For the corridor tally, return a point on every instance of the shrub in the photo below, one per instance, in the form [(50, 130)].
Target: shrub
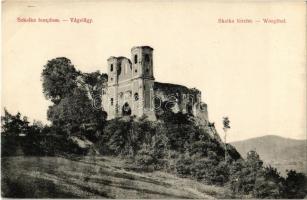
[(244, 173), (268, 184), (183, 166), (210, 171), (145, 159), (295, 186)]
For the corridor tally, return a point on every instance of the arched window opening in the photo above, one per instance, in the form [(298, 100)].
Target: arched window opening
[(136, 96), (135, 59), (126, 110)]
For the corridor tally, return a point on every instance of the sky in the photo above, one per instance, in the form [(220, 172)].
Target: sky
[(253, 73)]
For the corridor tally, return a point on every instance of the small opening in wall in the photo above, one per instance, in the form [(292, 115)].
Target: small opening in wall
[(119, 68), (135, 59), (136, 71), (111, 101), (111, 68), (136, 96)]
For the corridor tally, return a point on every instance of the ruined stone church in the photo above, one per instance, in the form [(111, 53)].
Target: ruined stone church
[(132, 90)]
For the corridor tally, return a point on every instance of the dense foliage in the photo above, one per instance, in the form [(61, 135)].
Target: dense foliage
[(175, 143), (59, 79), (19, 137), (76, 108)]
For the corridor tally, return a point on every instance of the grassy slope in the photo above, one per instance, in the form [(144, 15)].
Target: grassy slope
[(93, 177)]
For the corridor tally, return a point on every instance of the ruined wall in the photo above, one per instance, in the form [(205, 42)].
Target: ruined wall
[(184, 99), (131, 86)]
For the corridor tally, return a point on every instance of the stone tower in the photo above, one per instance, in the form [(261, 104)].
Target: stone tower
[(142, 64), (130, 85)]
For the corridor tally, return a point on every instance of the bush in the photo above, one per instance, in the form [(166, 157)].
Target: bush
[(145, 159), (210, 171), (183, 166), (295, 186), (152, 156), (268, 184), (249, 177), (244, 173), (125, 136)]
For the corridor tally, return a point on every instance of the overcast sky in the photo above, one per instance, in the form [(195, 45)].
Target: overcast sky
[(253, 73)]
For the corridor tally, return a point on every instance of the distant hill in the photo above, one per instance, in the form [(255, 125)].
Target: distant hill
[(282, 153)]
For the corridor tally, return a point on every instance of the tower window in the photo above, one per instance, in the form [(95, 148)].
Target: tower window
[(136, 96), (136, 71), (111, 68), (147, 59), (147, 70), (119, 68), (135, 59), (111, 101)]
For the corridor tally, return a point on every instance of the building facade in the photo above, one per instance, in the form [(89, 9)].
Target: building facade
[(131, 89)]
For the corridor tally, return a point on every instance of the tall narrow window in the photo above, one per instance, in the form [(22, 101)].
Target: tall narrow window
[(111, 68), (135, 59), (111, 101), (147, 59), (119, 68)]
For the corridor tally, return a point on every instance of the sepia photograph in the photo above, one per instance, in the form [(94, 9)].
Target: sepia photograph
[(153, 99)]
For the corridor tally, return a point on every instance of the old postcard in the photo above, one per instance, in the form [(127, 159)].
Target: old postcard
[(153, 99)]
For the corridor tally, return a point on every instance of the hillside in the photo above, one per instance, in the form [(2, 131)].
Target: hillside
[(282, 153), (94, 177)]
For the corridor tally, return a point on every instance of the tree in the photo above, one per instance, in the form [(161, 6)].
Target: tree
[(295, 185), (93, 83), (243, 174), (14, 124), (268, 184), (74, 94), (253, 161), (75, 115), (59, 79), (226, 127)]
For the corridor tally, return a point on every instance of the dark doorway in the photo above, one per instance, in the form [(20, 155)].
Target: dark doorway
[(189, 108), (126, 110)]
